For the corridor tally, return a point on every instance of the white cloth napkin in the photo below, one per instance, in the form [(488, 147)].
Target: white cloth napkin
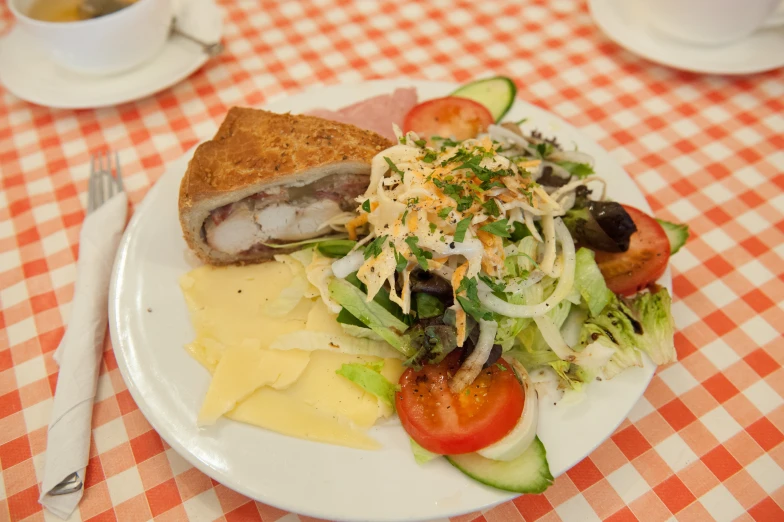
[(79, 355)]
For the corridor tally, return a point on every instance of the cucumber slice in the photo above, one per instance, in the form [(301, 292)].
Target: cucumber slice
[(528, 473), (677, 234), (497, 94)]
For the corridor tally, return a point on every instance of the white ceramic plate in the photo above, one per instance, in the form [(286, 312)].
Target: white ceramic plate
[(28, 73), (625, 22), (308, 477)]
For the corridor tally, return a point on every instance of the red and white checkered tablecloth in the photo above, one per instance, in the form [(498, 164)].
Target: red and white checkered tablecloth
[(704, 443)]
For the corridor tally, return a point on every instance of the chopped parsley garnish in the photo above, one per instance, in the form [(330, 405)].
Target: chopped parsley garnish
[(421, 255), (470, 301), (500, 366), (497, 228), (445, 142), (461, 228), (429, 157), (375, 246), (487, 185), (483, 173), (405, 214), (444, 212), (519, 231), (366, 206), (455, 191), (493, 284), (521, 121), (491, 207), (464, 203), (400, 261), (420, 143), (393, 167), (402, 140), (432, 227)]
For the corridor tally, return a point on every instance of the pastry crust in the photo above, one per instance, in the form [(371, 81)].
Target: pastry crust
[(255, 151)]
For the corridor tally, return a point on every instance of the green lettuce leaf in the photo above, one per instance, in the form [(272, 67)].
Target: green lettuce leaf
[(653, 310), (589, 282), (421, 455), (369, 378)]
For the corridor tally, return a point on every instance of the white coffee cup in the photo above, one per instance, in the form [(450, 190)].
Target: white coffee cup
[(105, 45), (712, 22)]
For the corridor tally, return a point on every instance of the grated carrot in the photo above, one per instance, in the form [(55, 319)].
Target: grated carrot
[(460, 325), (531, 163), (351, 226), (413, 221)]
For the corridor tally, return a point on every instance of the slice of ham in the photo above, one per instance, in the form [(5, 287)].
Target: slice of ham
[(377, 113)]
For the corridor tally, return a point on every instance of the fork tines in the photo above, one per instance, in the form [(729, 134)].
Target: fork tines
[(103, 185)]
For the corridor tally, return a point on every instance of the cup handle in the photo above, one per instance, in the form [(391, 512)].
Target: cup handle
[(776, 18)]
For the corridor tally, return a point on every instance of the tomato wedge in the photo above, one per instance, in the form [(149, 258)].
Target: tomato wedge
[(449, 117), (629, 272), (450, 424)]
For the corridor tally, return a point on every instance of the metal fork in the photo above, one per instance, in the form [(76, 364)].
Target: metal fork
[(103, 185)]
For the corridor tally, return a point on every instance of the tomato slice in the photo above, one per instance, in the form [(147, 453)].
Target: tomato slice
[(629, 272), (449, 117), (448, 423)]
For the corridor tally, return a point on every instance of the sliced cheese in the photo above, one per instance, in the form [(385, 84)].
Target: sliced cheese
[(335, 395), (207, 352), (320, 319), (227, 304), (242, 370), (233, 334), (278, 411)]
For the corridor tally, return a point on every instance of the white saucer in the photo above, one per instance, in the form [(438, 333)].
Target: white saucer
[(624, 22), (28, 73)]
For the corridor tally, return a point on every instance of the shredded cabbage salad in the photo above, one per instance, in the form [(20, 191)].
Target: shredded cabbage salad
[(488, 218)]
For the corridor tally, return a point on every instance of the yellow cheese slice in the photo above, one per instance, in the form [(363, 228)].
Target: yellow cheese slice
[(207, 352), (242, 370), (227, 303), (320, 387), (277, 411), (320, 319), (233, 333)]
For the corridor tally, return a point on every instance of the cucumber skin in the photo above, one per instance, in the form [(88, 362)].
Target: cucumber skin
[(469, 91), (677, 234), (533, 485)]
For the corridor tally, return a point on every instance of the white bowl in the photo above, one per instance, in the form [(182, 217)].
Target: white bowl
[(105, 45)]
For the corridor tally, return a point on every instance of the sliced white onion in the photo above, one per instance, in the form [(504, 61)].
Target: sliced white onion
[(571, 186), (562, 288), (567, 202), (496, 131), (552, 336), (518, 286), (572, 155), (529, 223), (517, 441), (473, 365), (348, 264), (548, 227)]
